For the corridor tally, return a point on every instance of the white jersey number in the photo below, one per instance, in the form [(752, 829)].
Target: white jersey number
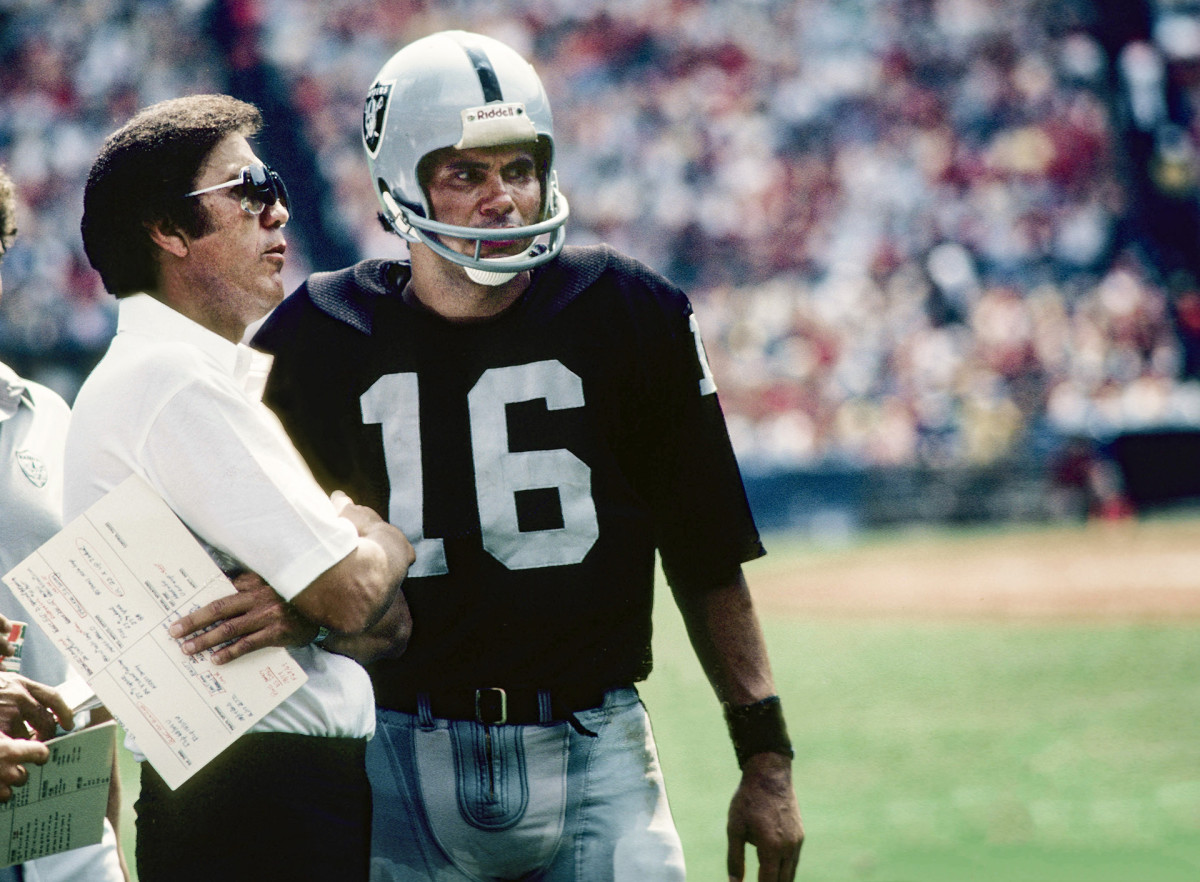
[(708, 383), (500, 473), (392, 403)]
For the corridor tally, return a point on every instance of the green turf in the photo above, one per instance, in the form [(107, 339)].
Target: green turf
[(959, 752), (952, 752)]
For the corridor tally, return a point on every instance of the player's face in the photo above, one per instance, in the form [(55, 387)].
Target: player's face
[(239, 260), (489, 187)]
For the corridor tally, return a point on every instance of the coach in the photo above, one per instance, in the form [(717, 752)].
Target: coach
[(185, 225)]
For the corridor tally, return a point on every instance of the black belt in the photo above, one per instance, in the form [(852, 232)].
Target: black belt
[(496, 706)]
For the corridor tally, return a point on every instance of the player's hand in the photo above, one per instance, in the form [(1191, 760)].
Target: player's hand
[(14, 752), (27, 705), (253, 617), (764, 814)]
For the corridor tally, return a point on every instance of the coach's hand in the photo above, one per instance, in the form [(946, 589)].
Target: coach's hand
[(31, 709), (14, 753), (254, 617), (764, 814)]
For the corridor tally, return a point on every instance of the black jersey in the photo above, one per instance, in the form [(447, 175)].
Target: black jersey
[(536, 461)]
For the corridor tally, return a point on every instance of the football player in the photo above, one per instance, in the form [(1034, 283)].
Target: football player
[(539, 420)]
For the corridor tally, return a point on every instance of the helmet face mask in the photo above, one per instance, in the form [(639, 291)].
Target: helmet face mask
[(460, 90)]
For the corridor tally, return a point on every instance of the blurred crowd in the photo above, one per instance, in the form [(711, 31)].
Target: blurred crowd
[(938, 232)]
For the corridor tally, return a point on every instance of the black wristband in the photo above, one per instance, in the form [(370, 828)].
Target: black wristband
[(758, 728)]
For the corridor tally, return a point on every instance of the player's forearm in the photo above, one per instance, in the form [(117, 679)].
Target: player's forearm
[(728, 641)]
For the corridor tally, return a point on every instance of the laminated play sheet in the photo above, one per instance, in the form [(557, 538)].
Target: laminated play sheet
[(62, 804)]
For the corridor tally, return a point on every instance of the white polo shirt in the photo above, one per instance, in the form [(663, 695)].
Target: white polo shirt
[(180, 406), (33, 427)]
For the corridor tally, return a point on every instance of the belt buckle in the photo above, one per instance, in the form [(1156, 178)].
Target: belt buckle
[(491, 706)]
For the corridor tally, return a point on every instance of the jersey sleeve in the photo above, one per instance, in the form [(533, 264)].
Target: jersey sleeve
[(705, 526), (312, 389)]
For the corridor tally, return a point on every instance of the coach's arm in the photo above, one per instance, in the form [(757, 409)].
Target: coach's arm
[(346, 597), (729, 644), (256, 617)]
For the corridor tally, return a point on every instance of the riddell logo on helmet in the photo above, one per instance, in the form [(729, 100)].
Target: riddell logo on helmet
[(494, 111), (490, 124)]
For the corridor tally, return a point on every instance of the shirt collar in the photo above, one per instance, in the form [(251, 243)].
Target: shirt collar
[(147, 316), (13, 390)]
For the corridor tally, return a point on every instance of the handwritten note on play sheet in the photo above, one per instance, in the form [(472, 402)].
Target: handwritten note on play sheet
[(62, 805), (106, 588)]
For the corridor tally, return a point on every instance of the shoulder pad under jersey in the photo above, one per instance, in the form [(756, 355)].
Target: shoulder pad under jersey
[(349, 294)]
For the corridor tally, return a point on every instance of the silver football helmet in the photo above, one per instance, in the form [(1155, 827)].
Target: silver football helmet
[(464, 90)]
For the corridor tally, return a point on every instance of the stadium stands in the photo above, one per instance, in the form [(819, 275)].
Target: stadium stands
[(918, 233)]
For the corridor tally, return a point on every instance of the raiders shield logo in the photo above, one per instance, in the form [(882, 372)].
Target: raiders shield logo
[(375, 110), (33, 467)]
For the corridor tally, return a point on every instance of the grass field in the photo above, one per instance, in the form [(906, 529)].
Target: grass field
[(964, 747), (994, 707)]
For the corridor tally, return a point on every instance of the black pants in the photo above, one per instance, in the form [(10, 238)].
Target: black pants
[(273, 806)]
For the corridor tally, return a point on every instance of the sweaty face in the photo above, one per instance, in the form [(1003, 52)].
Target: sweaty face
[(239, 259), (488, 187)]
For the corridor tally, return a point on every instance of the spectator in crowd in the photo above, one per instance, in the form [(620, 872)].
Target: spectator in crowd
[(33, 429)]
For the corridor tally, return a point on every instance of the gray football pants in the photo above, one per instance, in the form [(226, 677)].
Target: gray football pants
[(460, 802)]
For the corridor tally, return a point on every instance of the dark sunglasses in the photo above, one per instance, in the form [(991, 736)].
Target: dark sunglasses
[(261, 186)]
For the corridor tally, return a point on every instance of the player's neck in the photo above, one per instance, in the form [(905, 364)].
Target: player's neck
[(445, 289)]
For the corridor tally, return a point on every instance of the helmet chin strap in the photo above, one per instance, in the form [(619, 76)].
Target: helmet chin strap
[(485, 277), (498, 276)]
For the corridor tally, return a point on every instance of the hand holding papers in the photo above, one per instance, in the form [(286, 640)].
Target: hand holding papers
[(78, 695), (62, 805), (107, 588)]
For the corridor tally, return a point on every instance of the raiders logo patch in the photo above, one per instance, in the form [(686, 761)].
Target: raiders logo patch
[(33, 467), (375, 110)]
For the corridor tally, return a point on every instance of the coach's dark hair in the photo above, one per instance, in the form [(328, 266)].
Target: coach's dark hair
[(8, 212), (140, 177)]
